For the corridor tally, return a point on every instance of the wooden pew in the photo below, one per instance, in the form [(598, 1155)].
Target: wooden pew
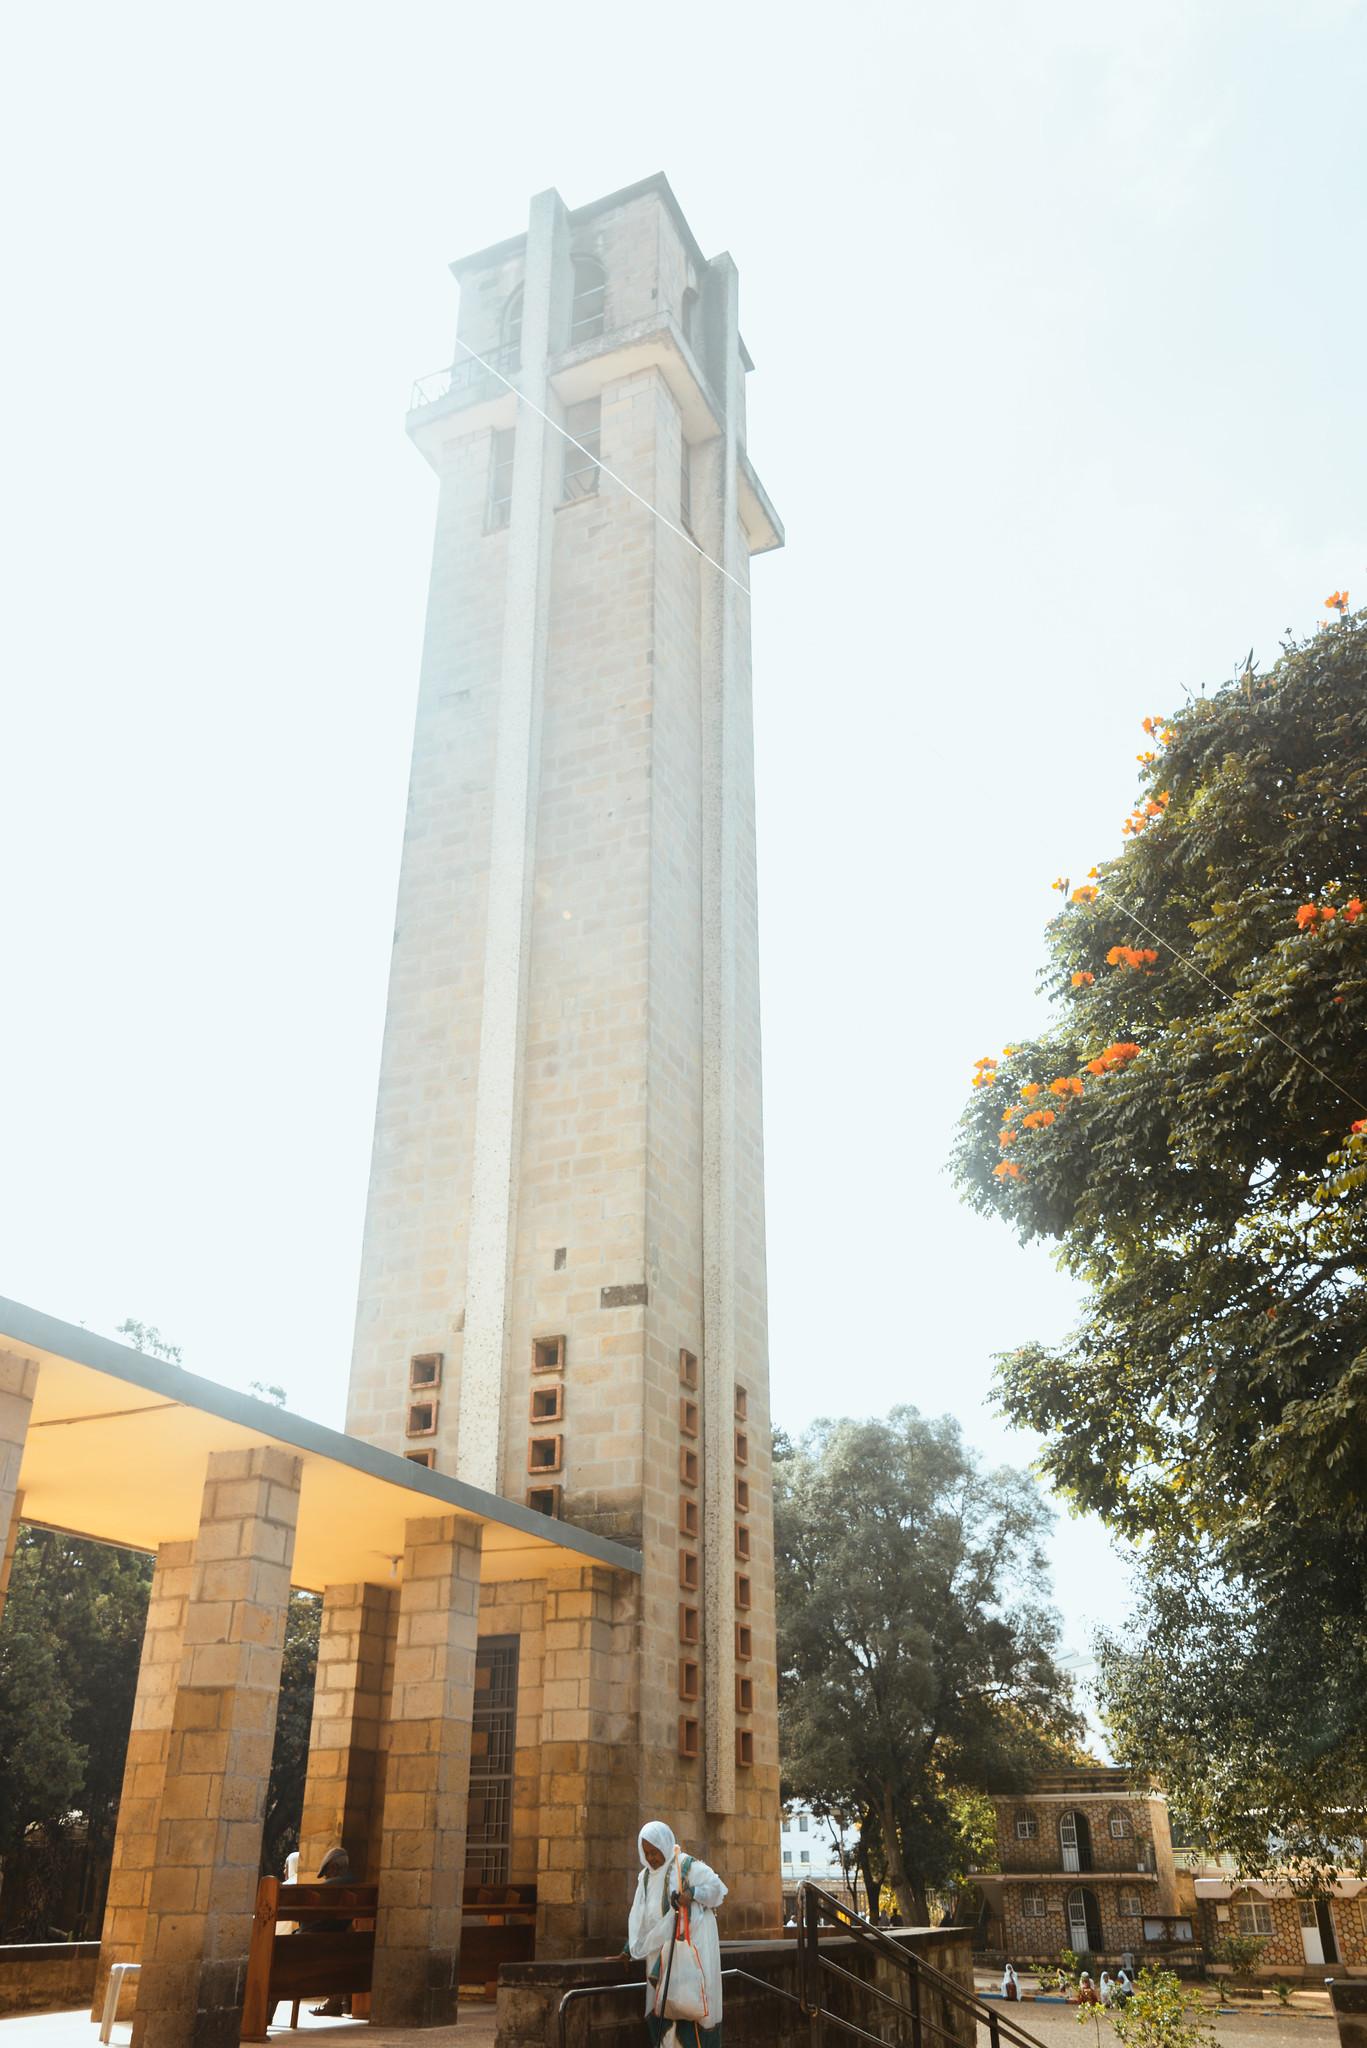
[(312, 1962), (497, 1926)]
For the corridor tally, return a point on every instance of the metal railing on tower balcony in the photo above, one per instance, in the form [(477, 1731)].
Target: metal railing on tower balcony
[(470, 378)]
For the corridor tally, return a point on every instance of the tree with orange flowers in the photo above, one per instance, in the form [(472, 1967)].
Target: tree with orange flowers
[(1204, 1177)]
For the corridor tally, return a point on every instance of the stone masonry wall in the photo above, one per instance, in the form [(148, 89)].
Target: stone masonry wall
[(1042, 1851), (1027, 1935)]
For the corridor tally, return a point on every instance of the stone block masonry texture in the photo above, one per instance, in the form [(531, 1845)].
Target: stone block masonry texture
[(124, 1934), (568, 1140), (218, 1755), (421, 1870), (344, 1792)]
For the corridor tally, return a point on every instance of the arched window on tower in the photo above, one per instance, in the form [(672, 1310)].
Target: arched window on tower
[(590, 287), (512, 327), (688, 317)]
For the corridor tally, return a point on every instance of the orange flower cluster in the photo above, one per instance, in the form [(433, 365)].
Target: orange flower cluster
[(1030, 1090), (1360, 1127), (1337, 601), (1038, 1119), (1067, 1084), (984, 1071), (1311, 914), (1082, 979), (1115, 1056), (1086, 894), (1143, 816), (1158, 729), (1132, 956), (1008, 1170)]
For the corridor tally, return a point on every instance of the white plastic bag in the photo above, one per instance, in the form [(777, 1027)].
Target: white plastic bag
[(681, 1968)]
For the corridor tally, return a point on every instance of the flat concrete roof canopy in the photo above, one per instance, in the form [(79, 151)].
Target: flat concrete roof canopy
[(116, 1450)]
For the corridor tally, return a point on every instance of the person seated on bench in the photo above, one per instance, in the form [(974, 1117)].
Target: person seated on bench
[(335, 1868)]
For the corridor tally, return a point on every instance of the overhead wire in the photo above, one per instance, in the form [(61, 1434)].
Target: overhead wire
[(1191, 964), (598, 463), (684, 535)]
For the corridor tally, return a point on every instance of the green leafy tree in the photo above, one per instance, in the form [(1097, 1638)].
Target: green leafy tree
[(1185, 1133), (1240, 1951), (145, 1337), (1161, 2013), (916, 1648), (289, 1760), (69, 1649)]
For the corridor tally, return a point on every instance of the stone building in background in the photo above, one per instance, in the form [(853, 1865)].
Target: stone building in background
[(1085, 1862), (562, 1294)]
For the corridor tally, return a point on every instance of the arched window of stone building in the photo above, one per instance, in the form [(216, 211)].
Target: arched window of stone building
[(1075, 1841), (590, 288), (1084, 1922), (512, 324)]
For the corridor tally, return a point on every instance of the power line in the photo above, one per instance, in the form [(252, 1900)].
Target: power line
[(684, 535), (597, 462), (1271, 1029)]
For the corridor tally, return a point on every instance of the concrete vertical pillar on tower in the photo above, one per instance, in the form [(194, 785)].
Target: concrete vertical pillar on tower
[(421, 1874), (18, 1385), (546, 298), (344, 1789), (203, 1889), (123, 1936), (589, 1809), (723, 638)]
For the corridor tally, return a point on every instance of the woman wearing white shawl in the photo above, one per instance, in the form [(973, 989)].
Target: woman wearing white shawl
[(663, 1866)]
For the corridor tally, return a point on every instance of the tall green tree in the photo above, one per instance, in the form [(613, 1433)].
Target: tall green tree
[(916, 1646), (1191, 1133), (290, 1758), (69, 1649)]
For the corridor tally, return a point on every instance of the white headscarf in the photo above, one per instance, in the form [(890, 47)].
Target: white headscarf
[(652, 1886)]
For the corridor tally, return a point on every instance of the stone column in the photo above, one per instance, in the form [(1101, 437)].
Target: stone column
[(218, 1759), (547, 287), (427, 1780), (18, 1385), (344, 1787), (590, 1763), (723, 640), (123, 1936)]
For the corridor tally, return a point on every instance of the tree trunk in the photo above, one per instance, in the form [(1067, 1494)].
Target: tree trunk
[(863, 1857), (897, 1876)]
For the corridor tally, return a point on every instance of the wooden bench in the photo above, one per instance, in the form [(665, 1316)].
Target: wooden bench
[(312, 1962), (497, 1926)]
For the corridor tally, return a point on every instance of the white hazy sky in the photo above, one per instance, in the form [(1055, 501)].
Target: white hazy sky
[(1058, 313)]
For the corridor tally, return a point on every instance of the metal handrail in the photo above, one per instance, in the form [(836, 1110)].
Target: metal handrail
[(638, 1984), (817, 1907), (464, 375)]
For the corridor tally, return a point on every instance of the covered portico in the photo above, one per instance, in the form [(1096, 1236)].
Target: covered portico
[(238, 1501)]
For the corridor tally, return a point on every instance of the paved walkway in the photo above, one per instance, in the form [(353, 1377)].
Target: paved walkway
[(78, 2030), (1271, 2027)]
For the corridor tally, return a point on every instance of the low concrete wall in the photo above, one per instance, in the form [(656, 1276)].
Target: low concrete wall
[(529, 1994), (47, 1976)]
